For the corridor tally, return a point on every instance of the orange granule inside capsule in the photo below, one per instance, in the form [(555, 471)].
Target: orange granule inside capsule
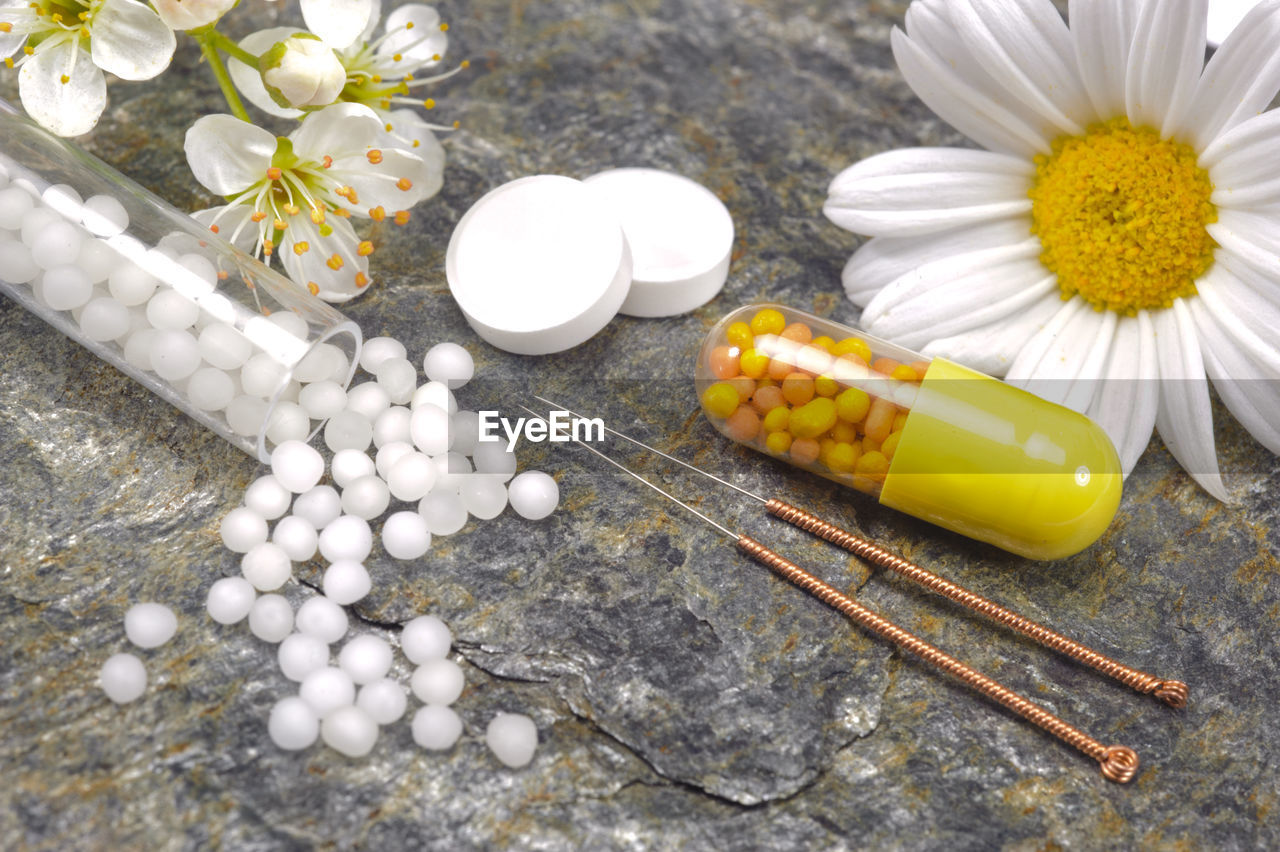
[(724, 362), (797, 401)]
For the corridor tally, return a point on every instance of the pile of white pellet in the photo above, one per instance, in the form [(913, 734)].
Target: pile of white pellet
[(395, 444)]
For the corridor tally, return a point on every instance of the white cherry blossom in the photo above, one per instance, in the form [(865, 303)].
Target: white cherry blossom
[(291, 197), (64, 46)]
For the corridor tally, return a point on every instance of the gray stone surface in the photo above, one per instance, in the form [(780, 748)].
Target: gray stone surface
[(684, 698)]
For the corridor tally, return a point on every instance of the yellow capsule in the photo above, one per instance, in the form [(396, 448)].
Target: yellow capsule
[(823, 341), (842, 457), (777, 419), (844, 432), (853, 346), (768, 321), (778, 442), (813, 418), (852, 405), (899, 421), (904, 373), (753, 363), (890, 445), (825, 386), (739, 335), (720, 400), (872, 464)]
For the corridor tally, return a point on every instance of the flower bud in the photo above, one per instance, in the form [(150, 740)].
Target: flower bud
[(302, 72), (191, 14)]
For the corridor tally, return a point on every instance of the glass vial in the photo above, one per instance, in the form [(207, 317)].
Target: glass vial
[(152, 292)]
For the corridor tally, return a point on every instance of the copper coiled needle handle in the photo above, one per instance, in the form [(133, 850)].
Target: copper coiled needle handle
[(1118, 763), (1171, 692)]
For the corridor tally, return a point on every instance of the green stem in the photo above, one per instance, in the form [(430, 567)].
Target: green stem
[(230, 48), (209, 47)]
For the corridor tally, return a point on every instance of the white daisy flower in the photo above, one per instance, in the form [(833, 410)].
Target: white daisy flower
[(382, 73), (1117, 239), (65, 47), (290, 197)]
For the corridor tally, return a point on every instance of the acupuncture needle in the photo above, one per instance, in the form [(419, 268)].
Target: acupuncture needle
[(1117, 763), (1171, 692)]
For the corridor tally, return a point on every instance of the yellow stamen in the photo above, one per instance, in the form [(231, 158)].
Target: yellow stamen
[(257, 215), (334, 262), (377, 214), (365, 248), (1121, 216), (268, 247), (213, 228), (317, 215), (65, 79), (429, 103), (280, 224), (466, 63), (444, 28), (6, 27), (273, 173), (314, 288), (362, 280), (404, 184), (402, 217), (373, 155), (300, 248)]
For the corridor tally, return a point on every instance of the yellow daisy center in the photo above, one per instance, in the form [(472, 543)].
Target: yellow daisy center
[(1121, 216)]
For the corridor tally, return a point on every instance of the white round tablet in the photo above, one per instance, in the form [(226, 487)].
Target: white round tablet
[(680, 235), (538, 265)]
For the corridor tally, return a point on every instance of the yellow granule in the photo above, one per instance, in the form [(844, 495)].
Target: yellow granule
[(1121, 216)]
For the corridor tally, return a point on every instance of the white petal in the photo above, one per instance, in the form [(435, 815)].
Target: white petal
[(311, 266), (992, 348), (181, 15), (379, 186), (70, 108), (420, 43), (1244, 152), (923, 190), (336, 131), (1164, 63), (410, 131), (962, 104), (1251, 320), (953, 295), (337, 22), (130, 41), (1024, 366), (1103, 32), (1251, 392), (1248, 239), (1068, 369), (1240, 80), (1184, 419), (1129, 394), (248, 80), (228, 155), (375, 14), (12, 40), (233, 225), (1259, 285), (883, 259), (1026, 47)]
